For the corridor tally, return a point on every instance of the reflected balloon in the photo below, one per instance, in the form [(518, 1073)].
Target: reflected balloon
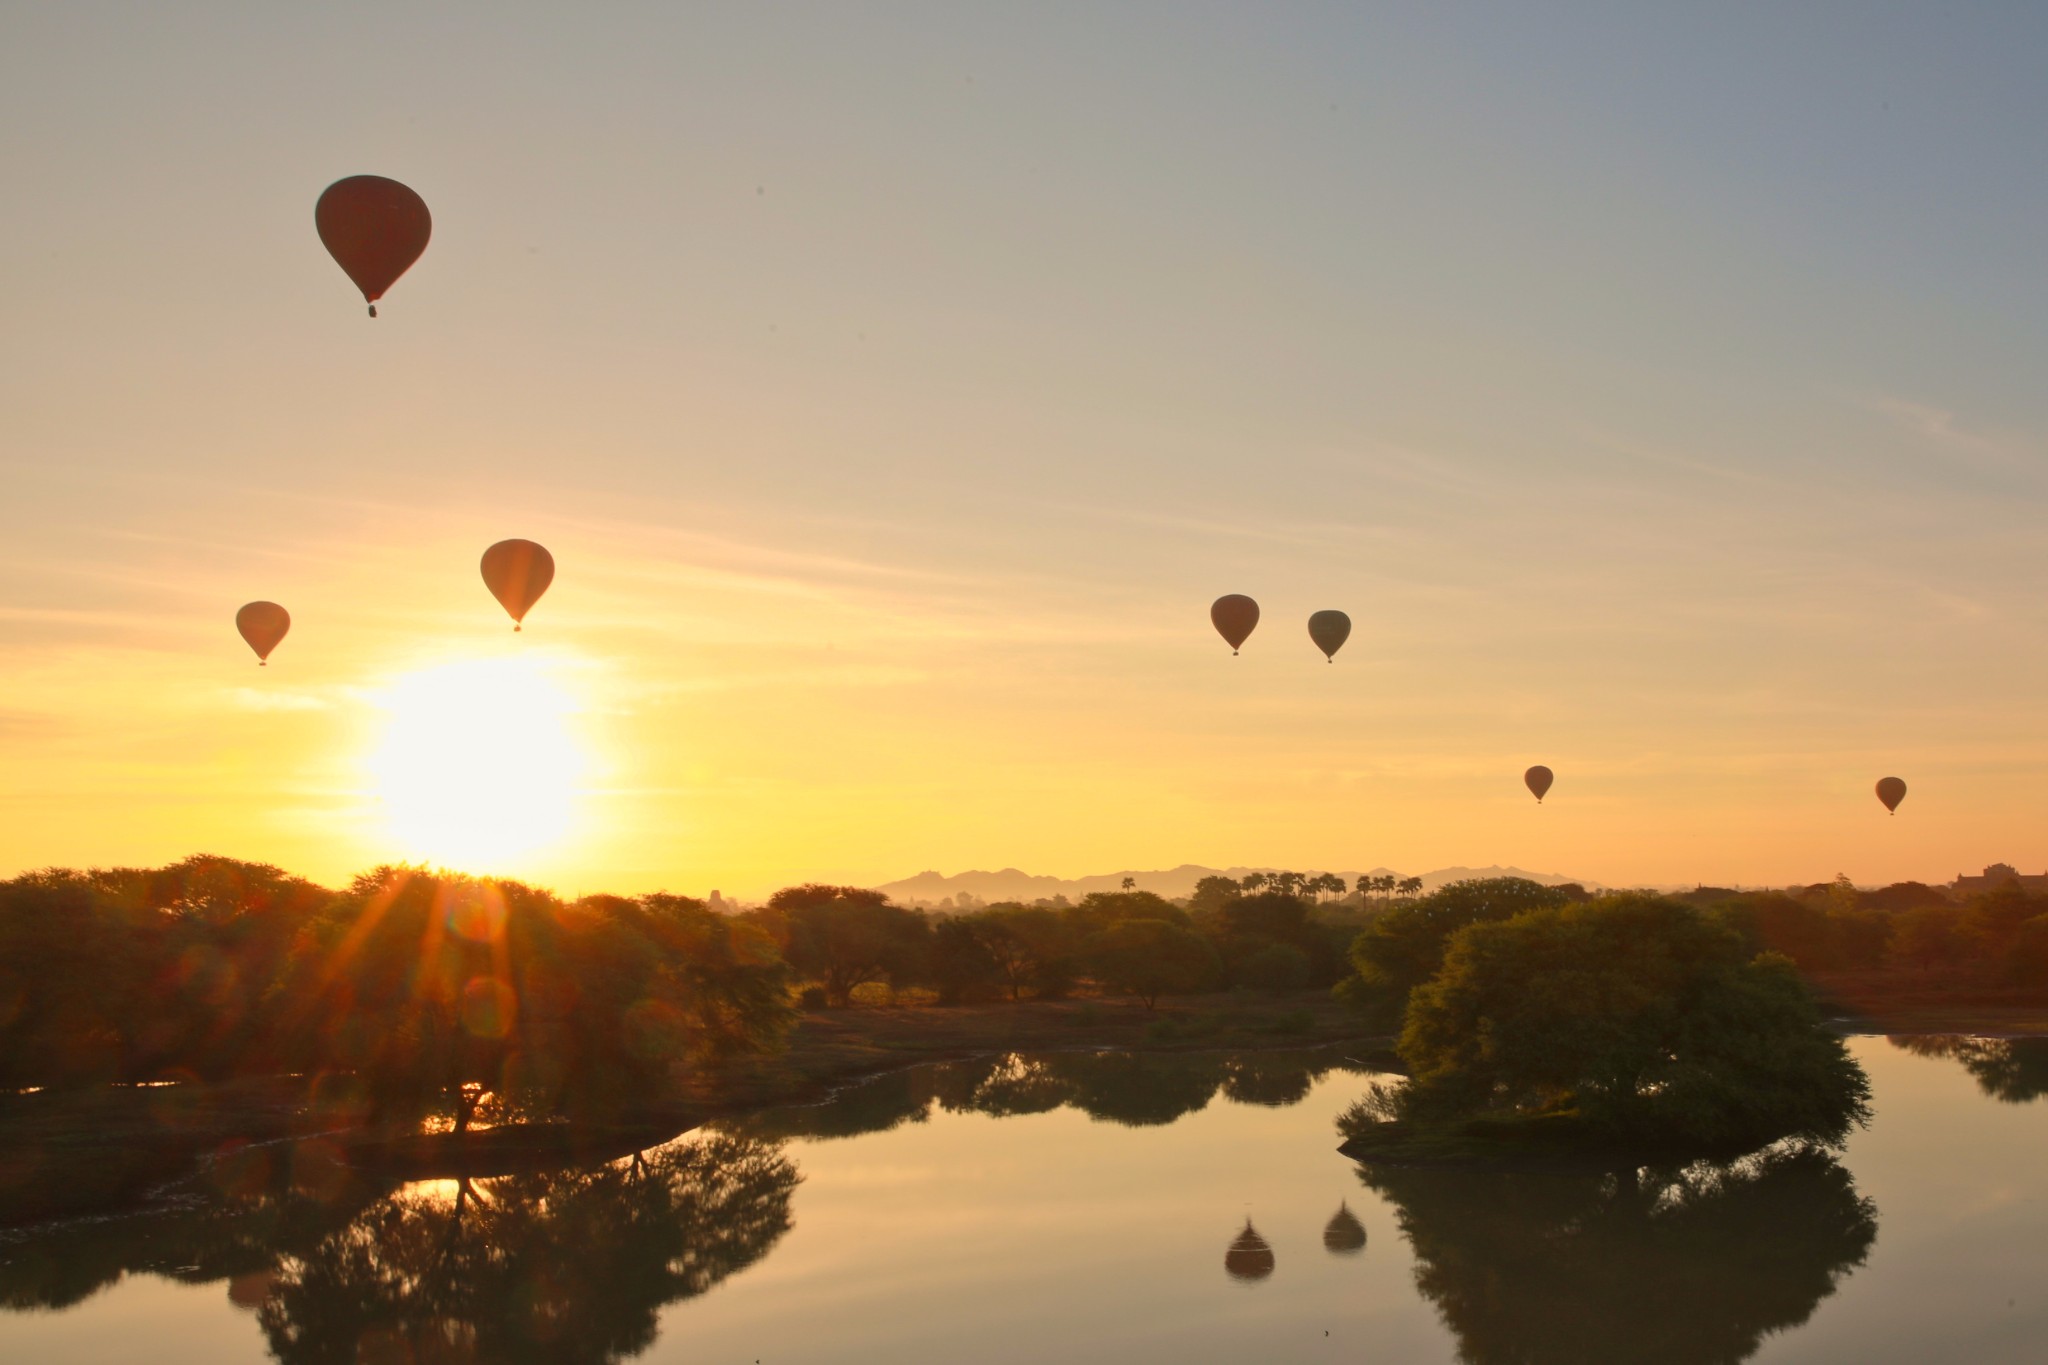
[(1234, 615), (1249, 1257), (374, 228), (1329, 629), (263, 625), (1539, 779), (1891, 791), (517, 572), (1344, 1235)]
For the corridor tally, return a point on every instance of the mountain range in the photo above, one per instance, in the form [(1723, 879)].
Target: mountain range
[(1011, 884)]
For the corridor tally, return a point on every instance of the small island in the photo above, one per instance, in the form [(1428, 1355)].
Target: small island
[(1617, 1032)]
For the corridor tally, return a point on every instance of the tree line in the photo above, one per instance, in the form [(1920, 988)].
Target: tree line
[(433, 992)]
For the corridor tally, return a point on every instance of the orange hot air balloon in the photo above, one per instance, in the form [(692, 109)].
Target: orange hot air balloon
[(517, 572), (1329, 629), (1539, 779), (374, 228), (1891, 791), (263, 624), (1234, 615)]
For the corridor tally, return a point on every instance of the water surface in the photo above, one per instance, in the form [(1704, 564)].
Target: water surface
[(1094, 1207)]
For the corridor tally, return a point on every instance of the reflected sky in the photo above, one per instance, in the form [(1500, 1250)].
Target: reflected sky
[(1094, 1207)]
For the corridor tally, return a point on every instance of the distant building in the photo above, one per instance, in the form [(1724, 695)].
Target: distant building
[(1995, 876)]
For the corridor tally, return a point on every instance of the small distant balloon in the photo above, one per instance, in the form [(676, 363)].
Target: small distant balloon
[(263, 624), (1329, 629), (517, 572), (1234, 615), (1891, 791), (1539, 779), (374, 228)]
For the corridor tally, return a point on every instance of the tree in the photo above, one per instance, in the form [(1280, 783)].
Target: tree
[(1148, 958), (1409, 887), (1212, 893), (1928, 936), (1404, 945), (846, 936), (1130, 883), (1033, 948), (440, 992), (962, 965), (1641, 1015)]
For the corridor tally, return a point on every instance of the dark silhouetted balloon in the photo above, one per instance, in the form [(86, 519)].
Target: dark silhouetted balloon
[(1891, 791), (517, 572), (1329, 629), (1234, 615), (263, 624), (1344, 1235), (1249, 1258), (374, 228), (1539, 779)]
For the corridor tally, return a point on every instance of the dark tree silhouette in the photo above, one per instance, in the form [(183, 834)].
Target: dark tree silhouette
[(1688, 1267), (845, 936)]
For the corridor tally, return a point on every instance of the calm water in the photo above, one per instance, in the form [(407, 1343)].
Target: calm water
[(1094, 1208)]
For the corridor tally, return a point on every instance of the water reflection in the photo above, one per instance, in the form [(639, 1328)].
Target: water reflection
[(1344, 1235), (1687, 1267), (1250, 1257), (1133, 1089), (567, 1265), (2010, 1070)]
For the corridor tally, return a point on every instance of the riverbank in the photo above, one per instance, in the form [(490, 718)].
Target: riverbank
[(116, 1147)]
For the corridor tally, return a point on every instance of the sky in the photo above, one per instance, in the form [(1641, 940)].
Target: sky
[(896, 385)]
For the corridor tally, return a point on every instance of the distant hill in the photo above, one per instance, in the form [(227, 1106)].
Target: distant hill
[(1010, 884)]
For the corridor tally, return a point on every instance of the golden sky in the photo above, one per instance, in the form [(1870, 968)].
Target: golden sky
[(895, 393)]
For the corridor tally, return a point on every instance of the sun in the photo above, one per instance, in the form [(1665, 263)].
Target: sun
[(478, 766)]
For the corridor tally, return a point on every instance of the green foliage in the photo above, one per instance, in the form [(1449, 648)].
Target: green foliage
[(1148, 958), (1404, 946), (846, 936), (1034, 948), (962, 966), (1641, 1014), (1275, 967)]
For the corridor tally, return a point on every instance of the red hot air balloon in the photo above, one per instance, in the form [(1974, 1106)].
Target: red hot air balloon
[(374, 228), (1234, 615), (517, 572), (1539, 779), (1329, 629), (263, 624), (1891, 791)]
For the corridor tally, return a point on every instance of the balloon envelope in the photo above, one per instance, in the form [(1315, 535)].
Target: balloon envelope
[(263, 624), (1891, 791), (1234, 615), (517, 572), (1329, 629), (1539, 779), (374, 228)]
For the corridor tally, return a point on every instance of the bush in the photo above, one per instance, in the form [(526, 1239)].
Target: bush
[(1404, 945)]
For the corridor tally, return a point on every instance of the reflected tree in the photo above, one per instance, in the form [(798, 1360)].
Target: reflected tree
[(2010, 1070), (1693, 1266), (568, 1265)]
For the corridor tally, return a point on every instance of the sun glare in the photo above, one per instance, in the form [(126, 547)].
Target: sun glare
[(479, 768)]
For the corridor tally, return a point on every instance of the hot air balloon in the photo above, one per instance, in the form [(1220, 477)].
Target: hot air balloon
[(1329, 629), (517, 572), (374, 228), (1539, 779), (1234, 615), (1891, 791), (263, 624), (1249, 1257), (1343, 1235)]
